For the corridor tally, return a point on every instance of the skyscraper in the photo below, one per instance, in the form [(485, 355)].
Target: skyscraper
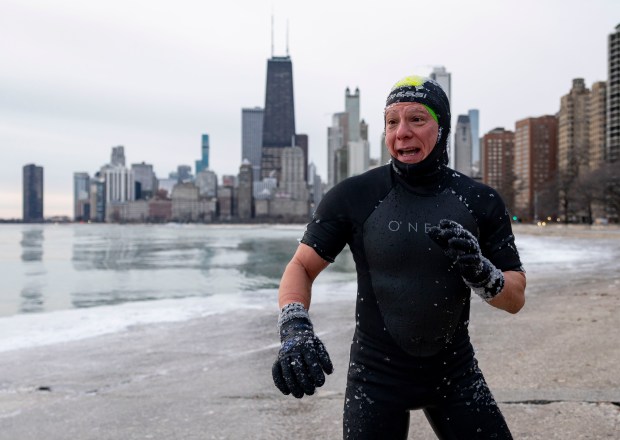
[(535, 162), (463, 146), (81, 196), (119, 185), (252, 138), (279, 116), (498, 163), (573, 131), (352, 108), (337, 156), (358, 148), (245, 209), (301, 141), (203, 162), (32, 193), (184, 174), (293, 183), (598, 123), (118, 156), (444, 79), (612, 149), (348, 150), (145, 180), (474, 125)]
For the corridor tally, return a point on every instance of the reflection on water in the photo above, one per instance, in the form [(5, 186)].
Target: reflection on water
[(32, 245), (49, 267), (138, 263), (34, 271)]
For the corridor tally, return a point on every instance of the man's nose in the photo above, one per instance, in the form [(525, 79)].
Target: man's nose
[(403, 130)]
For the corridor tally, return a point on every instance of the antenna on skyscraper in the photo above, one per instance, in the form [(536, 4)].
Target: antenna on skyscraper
[(272, 33), (287, 37)]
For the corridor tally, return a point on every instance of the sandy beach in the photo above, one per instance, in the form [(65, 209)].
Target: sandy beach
[(553, 369)]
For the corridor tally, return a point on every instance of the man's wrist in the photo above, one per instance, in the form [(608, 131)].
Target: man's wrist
[(491, 286), (292, 311)]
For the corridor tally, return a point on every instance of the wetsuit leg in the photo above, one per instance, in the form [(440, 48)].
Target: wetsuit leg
[(363, 421), (381, 389), (466, 409)]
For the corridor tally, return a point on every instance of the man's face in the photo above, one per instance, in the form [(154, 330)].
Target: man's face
[(410, 131)]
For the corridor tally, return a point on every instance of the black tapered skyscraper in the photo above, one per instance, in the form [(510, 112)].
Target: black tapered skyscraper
[(279, 116), (33, 193)]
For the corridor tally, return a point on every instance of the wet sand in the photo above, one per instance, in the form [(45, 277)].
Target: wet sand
[(553, 369)]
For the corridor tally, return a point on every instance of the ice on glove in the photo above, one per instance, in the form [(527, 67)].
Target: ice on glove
[(302, 358), (462, 247)]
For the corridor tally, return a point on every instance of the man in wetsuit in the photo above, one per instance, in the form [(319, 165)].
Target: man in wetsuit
[(423, 236)]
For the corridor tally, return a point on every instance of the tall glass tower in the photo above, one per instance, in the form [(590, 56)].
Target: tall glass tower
[(252, 138), (33, 193), (203, 162), (279, 115)]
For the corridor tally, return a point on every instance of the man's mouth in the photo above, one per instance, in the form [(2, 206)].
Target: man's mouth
[(410, 152)]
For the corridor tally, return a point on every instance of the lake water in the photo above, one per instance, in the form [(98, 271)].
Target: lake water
[(71, 281)]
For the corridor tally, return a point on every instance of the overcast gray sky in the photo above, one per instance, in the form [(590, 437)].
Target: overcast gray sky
[(78, 77)]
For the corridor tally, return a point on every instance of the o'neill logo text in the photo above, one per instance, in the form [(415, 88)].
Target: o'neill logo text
[(396, 225)]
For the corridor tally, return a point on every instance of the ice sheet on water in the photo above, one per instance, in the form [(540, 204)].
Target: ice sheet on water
[(557, 250), (38, 329)]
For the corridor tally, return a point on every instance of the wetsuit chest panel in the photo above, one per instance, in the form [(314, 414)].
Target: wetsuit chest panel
[(419, 291)]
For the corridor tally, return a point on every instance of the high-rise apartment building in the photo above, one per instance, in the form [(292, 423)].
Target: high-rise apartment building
[(535, 162), (203, 162), (498, 163), (252, 137), (279, 115), (612, 147), (32, 193), (81, 196), (597, 116), (463, 146), (573, 131)]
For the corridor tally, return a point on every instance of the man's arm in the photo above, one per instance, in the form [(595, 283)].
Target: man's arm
[(512, 296), (302, 359), (300, 273)]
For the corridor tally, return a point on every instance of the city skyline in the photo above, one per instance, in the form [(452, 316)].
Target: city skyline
[(156, 81)]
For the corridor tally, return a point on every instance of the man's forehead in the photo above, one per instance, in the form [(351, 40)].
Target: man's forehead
[(406, 105)]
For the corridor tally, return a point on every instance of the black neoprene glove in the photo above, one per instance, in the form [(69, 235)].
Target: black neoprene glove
[(462, 247), (302, 358)]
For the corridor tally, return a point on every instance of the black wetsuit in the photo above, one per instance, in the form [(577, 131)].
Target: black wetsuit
[(411, 347)]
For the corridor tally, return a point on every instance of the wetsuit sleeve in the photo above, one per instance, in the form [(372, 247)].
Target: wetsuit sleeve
[(497, 241), (331, 226)]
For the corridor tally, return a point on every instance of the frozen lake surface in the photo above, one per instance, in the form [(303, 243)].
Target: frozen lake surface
[(69, 282)]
